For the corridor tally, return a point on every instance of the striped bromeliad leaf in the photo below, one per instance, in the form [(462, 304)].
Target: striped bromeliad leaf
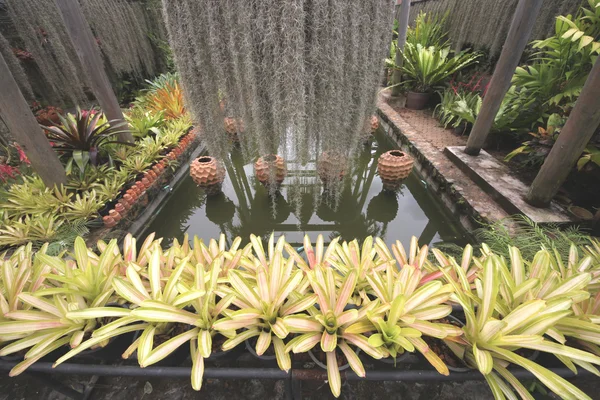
[(21, 272), (266, 299), (317, 255), (491, 338), (327, 324), (350, 257)]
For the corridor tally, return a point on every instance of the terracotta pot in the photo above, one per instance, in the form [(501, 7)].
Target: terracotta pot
[(329, 165), (267, 165), (115, 214), (394, 165), (146, 183), (233, 127), (417, 101), (371, 125), (130, 196), (207, 172), (109, 222), (125, 204), (581, 213), (171, 156), (139, 185), (157, 170), (120, 208)]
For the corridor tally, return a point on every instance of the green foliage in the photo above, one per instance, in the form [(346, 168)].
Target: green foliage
[(208, 295), (529, 237), (82, 136), (429, 31), (143, 123), (428, 67)]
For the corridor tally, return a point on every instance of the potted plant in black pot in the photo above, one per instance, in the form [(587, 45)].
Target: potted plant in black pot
[(426, 68)]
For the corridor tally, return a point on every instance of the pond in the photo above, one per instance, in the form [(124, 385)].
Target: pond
[(364, 208)]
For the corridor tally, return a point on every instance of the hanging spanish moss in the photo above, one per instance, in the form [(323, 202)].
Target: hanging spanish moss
[(15, 68), (469, 21), (40, 27), (122, 36), (302, 75)]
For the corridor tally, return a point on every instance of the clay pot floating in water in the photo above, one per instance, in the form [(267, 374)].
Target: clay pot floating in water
[(270, 169), (331, 167), (370, 127), (394, 166), (233, 127), (208, 173)]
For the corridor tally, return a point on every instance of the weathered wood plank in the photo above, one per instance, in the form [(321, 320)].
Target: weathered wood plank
[(402, 31), (574, 136), (91, 59), (518, 37), (24, 127)]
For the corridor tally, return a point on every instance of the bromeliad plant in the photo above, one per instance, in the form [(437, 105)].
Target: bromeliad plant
[(327, 325), (266, 293), (196, 292), (409, 309), (82, 136), (428, 67), (492, 337)]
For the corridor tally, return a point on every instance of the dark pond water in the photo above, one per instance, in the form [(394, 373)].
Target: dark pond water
[(364, 207)]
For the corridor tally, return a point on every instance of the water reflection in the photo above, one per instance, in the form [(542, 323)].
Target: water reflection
[(363, 208)]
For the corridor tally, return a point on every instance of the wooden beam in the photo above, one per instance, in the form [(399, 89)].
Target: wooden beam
[(518, 37), (91, 59), (574, 136), (402, 30), (25, 129)]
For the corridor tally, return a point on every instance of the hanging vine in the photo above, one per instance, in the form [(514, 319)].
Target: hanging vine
[(39, 26), (303, 73), (122, 35), (16, 69)]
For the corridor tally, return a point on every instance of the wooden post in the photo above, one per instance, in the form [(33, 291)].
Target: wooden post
[(518, 37), (402, 29), (24, 127), (574, 136), (91, 59)]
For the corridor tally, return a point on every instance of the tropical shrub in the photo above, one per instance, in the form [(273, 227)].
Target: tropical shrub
[(192, 293), (429, 31), (427, 68)]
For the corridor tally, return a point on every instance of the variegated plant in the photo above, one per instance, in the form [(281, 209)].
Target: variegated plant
[(158, 309), (268, 291), (348, 257), (317, 256), (327, 324), (407, 309), (491, 339), (21, 272)]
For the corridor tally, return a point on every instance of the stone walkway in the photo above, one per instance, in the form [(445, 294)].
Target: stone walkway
[(419, 134)]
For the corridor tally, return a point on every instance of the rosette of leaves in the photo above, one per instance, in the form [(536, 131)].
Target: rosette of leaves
[(328, 325), (83, 135), (409, 309), (271, 290), (490, 338)]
